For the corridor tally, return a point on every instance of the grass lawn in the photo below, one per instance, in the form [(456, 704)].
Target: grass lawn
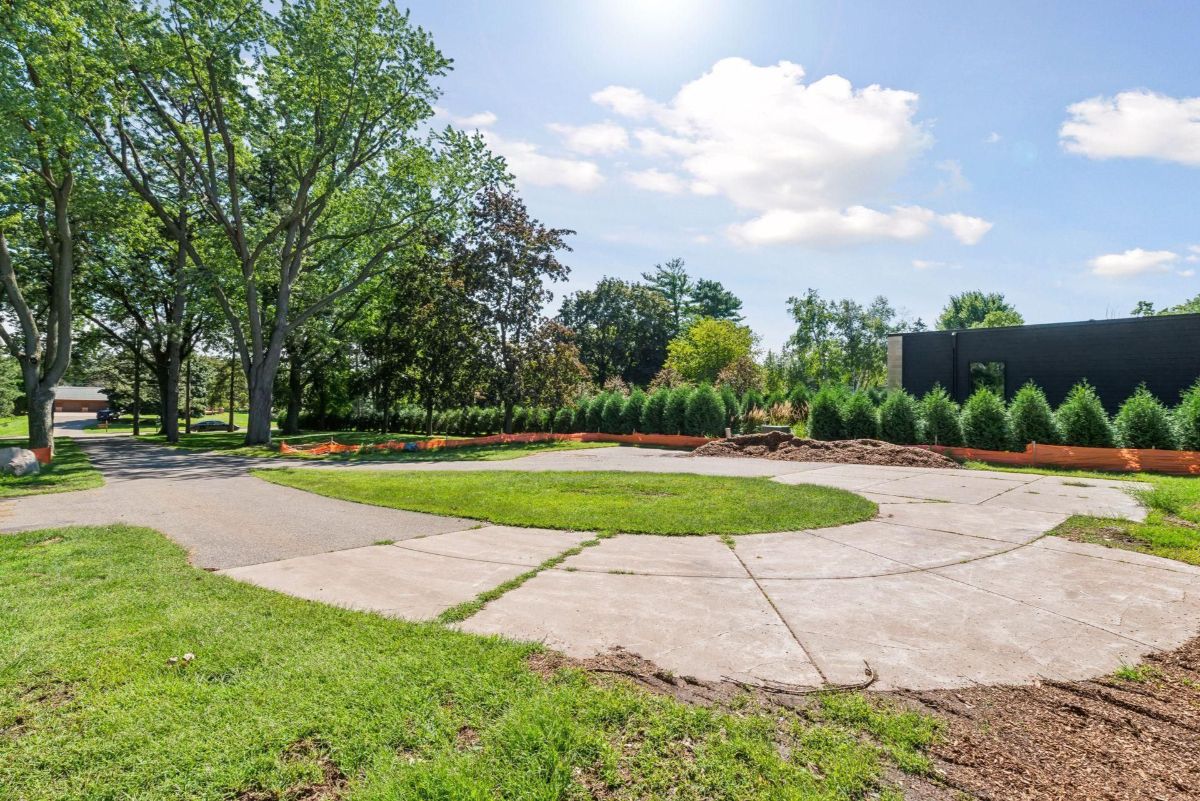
[(1171, 529), (71, 470), (289, 699), (641, 503), (14, 426)]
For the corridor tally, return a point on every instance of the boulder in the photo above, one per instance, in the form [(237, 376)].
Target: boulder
[(18, 462)]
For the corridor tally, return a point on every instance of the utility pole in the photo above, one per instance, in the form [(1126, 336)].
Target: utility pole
[(187, 398), (232, 377), (137, 389)]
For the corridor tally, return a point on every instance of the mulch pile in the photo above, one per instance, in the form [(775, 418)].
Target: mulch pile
[(790, 448)]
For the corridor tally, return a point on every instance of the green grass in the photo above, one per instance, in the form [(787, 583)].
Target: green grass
[(71, 470), (285, 698), (1171, 528), (14, 426), (642, 503)]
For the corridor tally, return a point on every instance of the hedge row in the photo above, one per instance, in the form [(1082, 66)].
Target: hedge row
[(985, 422)]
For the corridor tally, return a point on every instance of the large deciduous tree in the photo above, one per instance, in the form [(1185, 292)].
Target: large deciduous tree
[(707, 347), (512, 257), (621, 328), (300, 130), (44, 85), (976, 309)]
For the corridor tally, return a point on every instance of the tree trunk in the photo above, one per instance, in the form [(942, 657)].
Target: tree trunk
[(295, 393), (429, 418), (508, 416), (137, 394), (41, 418), (260, 381)]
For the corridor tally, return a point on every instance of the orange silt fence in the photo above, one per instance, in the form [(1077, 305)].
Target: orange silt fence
[(1070, 457), (655, 440)]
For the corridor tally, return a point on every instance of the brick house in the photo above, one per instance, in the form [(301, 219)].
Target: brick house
[(79, 399)]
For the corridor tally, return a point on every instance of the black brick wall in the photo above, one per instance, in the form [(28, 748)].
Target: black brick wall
[(1114, 355)]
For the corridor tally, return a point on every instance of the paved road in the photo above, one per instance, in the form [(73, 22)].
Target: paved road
[(954, 582)]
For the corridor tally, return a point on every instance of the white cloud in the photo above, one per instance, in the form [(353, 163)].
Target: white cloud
[(483, 119), (656, 181), (954, 181), (927, 264), (1188, 273), (624, 101), (968, 230), (809, 160), (602, 138), (537, 169), (1133, 262), (993, 138), (1137, 124), (1193, 254)]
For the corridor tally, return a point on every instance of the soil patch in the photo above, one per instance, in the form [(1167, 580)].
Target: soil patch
[(332, 785), (790, 448), (1108, 738)]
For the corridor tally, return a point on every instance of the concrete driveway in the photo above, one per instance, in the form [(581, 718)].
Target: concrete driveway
[(952, 584)]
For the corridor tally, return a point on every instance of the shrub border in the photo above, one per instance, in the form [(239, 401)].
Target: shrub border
[(662, 440)]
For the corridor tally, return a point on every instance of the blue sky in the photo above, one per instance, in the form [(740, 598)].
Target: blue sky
[(909, 150)]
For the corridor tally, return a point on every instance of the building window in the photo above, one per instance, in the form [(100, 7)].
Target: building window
[(988, 375)]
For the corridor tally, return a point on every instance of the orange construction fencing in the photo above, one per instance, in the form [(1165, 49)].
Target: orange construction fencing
[(1123, 460), (332, 446)]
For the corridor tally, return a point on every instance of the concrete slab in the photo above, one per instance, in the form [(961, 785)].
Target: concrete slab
[(1057, 497), (663, 556), (703, 627), (1009, 525), (380, 578), (919, 631), (913, 546), (803, 555), (522, 546), (955, 486), (1154, 607), (1116, 555)]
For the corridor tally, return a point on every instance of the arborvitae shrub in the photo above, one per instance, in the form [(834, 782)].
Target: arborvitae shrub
[(521, 420), (1187, 419), (900, 419), (985, 422), (631, 412), (495, 420), (940, 423), (675, 412), (825, 415), (860, 418), (1082, 420), (611, 419), (774, 399), (753, 399), (596, 412), (1143, 422), (798, 397), (1031, 417), (580, 417), (705, 413), (564, 420), (652, 412), (730, 402)]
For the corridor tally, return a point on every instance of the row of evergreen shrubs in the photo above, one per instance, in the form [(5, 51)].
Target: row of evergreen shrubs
[(985, 422), (697, 411)]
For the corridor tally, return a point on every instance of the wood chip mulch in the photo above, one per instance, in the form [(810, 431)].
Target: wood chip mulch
[(782, 446), (1107, 738)]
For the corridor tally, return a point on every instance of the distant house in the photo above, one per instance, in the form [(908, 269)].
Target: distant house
[(1113, 355), (79, 399)]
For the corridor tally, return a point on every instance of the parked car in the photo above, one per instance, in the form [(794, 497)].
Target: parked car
[(213, 425), (107, 415)]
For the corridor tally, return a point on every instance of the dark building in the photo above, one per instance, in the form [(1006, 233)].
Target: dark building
[(1113, 355)]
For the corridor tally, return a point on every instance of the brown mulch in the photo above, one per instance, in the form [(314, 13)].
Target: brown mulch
[(1106, 739), (787, 447)]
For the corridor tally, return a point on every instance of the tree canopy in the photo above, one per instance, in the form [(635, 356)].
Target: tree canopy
[(976, 309)]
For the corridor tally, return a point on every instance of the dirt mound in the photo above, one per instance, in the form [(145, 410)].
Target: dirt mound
[(790, 448)]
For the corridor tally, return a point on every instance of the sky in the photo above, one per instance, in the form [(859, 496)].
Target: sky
[(1049, 151)]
